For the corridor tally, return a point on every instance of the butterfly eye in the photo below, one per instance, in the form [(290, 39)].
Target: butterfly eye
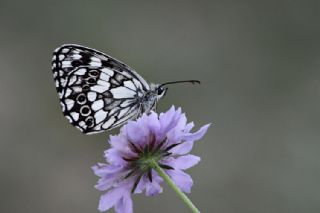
[(160, 91)]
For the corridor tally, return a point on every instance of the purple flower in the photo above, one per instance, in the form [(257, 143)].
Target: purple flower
[(165, 139)]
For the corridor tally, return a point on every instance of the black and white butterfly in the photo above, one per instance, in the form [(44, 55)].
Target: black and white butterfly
[(98, 92)]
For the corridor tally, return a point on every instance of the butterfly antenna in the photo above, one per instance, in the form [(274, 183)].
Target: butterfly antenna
[(177, 82)]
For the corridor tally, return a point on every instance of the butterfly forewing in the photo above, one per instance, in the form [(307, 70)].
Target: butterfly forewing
[(96, 91)]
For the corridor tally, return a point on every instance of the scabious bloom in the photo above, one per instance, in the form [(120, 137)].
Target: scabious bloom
[(164, 139)]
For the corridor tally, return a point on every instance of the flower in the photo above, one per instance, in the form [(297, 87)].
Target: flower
[(164, 139)]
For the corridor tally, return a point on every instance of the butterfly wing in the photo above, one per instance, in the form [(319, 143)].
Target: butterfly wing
[(96, 91)]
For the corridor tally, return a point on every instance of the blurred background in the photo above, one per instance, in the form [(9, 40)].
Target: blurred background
[(259, 66)]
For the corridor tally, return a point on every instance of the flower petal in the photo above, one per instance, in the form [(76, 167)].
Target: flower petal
[(189, 126), (185, 162), (114, 157), (181, 179), (104, 169), (118, 141), (153, 188), (153, 123), (182, 148), (169, 119), (189, 138), (111, 198), (124, 205), (109, 175), (181, 122), (197, 135), (140, 187), (136, 132), (175, 130)]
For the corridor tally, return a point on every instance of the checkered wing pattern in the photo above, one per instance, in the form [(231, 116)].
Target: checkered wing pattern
[(96, 91)]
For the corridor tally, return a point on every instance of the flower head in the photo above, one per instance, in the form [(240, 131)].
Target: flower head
[(164, 139)]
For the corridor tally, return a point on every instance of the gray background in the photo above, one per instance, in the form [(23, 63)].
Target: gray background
[(259, 66)]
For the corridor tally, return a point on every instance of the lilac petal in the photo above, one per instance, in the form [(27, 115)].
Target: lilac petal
[(176, 134), (124, 205), (168, 113), (107, 183), (197, 135), (110, 198), (114, 157), (175, 130), (141, 185), (181, 122), (136, 132), (183, 148), (104, 169), (169, 119), (185, 162), (109, 175), (153, 188), (98, 169), (181, 179), (189, 126), (118, 141), (110, 180), (153, 123)]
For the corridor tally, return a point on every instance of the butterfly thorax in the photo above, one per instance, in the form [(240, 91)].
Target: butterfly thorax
[(149, 100)]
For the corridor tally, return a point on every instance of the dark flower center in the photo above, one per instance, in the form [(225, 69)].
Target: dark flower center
[(146, 158)]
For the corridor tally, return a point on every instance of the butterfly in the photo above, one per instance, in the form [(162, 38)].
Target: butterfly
[(97, 92)]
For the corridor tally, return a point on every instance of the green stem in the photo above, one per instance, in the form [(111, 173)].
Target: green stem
[(168, 180)]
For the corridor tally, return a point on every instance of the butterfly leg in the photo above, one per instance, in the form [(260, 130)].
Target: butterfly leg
[(154, 108)]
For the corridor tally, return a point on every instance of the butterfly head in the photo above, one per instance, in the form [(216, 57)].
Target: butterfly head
[(160, 91)]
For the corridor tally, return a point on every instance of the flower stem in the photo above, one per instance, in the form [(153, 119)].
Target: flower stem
[(168, 180)]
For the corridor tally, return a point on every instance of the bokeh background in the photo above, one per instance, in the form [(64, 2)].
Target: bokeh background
[(259, 66)]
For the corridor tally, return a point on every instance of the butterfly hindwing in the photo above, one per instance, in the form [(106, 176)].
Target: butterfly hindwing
[(96, 91)]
